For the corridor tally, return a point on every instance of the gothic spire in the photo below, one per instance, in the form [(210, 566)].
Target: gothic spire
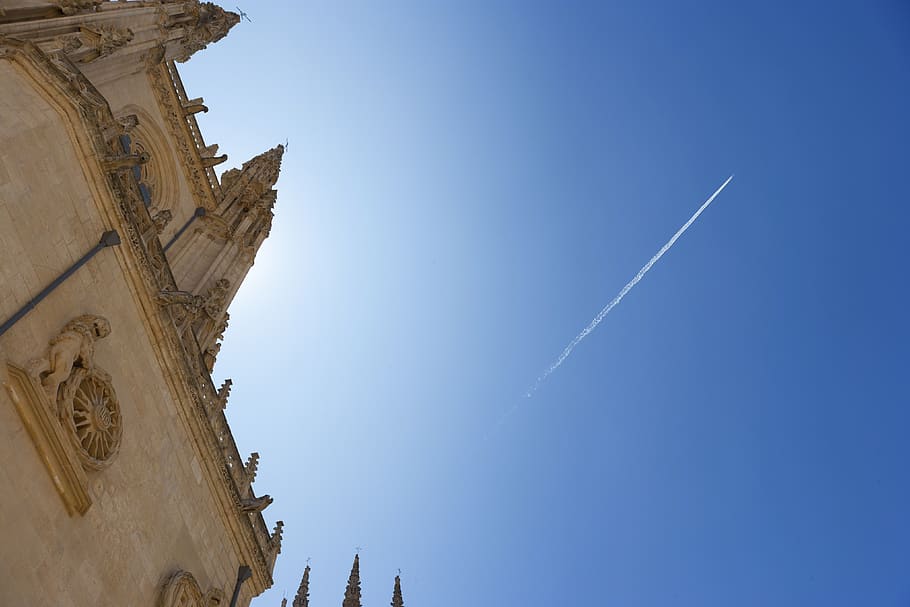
[(267, 165), (205, 24), (260, 172), (352, 592), (397, 601), (303, 593), (226, 246)]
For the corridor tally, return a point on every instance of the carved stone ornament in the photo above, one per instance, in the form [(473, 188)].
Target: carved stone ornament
[(212, 23), (185, 306), (128, 122), (73, 348), (256, 504), (182, 590), (214, 301), (125, 162), (162, 85), (160, 219), (214, 598), (71, 7), (82, 392), (105, 40), (94, 42), (91, 413), (69, 407)]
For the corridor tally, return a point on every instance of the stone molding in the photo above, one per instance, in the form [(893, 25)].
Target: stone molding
[(188, 148), (50, 439), (182, 590), (143, 261)]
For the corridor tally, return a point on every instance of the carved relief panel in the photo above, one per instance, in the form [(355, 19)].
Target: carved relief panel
[(70, 409)]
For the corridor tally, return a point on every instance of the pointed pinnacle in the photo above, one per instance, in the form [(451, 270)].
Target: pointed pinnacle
[(397, 600)]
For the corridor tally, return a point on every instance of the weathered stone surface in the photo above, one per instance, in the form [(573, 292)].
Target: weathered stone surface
[(121, 472)]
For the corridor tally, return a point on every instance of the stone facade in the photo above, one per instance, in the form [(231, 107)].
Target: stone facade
[(122, 482)]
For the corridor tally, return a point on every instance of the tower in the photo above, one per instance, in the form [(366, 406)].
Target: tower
[(397, 600), (222, 244), (352, 592), (303, 592)]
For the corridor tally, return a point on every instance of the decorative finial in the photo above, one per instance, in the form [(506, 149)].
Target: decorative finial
[(275, 539), (251, 466), (224, 392)]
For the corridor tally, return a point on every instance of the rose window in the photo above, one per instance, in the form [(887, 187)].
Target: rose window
[(95, 422)]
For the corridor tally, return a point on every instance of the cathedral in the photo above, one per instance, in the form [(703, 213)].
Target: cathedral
[(121, 249)]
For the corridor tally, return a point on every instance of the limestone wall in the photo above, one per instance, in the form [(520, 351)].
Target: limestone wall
[(154, 511)]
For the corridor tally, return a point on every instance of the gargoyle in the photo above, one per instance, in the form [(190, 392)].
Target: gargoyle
[(255, 504), (125, 162)]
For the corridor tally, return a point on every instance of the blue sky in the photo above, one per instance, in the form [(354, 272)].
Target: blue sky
[(467, 184)]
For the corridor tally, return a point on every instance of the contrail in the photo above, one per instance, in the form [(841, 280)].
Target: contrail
[(641, 274)]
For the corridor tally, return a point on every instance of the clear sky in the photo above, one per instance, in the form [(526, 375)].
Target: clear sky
[(467, 184)]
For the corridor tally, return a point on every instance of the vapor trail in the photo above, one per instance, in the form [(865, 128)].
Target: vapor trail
[(641, 274)]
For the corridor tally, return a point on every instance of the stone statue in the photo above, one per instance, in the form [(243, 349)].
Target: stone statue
[(192, 303), (120, 126), (160, 219), (73, 347), (128, 122)]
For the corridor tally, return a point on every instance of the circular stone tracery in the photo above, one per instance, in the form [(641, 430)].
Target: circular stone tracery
[(94, 420)]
